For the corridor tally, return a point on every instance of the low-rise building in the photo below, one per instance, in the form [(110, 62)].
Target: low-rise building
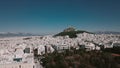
[(61, 48)]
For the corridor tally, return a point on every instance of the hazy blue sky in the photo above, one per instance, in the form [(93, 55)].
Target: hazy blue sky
[(50, 16)]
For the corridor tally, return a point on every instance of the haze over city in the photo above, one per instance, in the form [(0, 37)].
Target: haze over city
[(51, 16)]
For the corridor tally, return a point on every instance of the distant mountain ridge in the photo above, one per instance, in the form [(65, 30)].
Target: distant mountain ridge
[(15, 34), (107, 32)]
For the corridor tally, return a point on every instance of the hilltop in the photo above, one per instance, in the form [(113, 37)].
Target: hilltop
[(71, 32)]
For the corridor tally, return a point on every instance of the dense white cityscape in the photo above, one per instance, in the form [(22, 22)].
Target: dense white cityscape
[(18, 52), (59, 33)]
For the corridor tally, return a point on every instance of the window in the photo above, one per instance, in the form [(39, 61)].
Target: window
[(33, 66), (19, 66)]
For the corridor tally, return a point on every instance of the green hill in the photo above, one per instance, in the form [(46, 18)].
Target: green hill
[(71, 34)]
